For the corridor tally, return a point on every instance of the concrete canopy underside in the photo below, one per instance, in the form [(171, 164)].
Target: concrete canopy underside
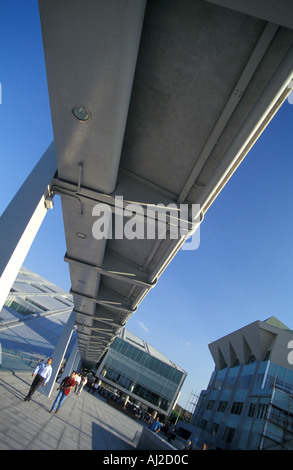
[(178, 92)]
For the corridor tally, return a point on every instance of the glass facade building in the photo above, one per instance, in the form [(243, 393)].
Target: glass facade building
[(247, 404), (141, 373), (32, 320)]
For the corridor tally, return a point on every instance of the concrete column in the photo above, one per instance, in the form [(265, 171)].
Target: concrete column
[(77, 362), (127, 396), (22, 219), (71, 361), (59, 353), (126, 399)]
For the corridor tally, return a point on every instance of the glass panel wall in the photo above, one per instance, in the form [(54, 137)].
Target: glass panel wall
[(141, 374)]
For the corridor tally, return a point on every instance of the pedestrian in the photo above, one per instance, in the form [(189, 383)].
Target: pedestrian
[(42, 374), (60, 372), (82, 384), (171, 433), (188, 445), (66, 385), (94, 388), (77, 379), (155, 425)]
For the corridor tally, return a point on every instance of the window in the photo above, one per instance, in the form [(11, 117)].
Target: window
[(228, 434), (147, 361), (244, 382), (259, 380), (261, 410), (214, 429), (230, 383), (24, 306), (203, 424), (150, 396), (210, 404), (251, 410), (257, 410), (217, 384), (222, 406), (236, 408)]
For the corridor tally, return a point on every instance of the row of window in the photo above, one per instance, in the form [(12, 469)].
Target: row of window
[(144, 359), (241, 383), (151, 397), (256, 410), (227, 435), (276, 382), (24, 307), (244, 382), (27, 306), (139, 390), (131, 369)]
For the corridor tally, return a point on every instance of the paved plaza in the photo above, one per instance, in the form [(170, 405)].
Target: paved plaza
[(86, 422)]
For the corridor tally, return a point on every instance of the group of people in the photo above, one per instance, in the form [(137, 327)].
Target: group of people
[(42, 375), (80, 382)]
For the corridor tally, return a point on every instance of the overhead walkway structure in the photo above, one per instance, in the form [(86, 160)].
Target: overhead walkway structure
[(152, 102)]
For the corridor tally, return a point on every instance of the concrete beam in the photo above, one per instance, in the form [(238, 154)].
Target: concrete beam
[(22, 219)]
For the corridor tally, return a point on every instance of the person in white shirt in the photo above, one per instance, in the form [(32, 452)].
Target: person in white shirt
[(82, 384), (43, 374), (77, 381)]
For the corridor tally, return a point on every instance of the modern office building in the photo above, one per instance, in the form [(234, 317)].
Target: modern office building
[(33, 319), (141, 373), (248, 402)]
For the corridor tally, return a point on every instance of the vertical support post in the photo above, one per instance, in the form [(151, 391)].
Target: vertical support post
[(59, 353), (22, 219), (71, 361), (77, 363)]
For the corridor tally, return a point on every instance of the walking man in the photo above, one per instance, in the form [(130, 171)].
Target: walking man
[(155, 425), (66, 385), (43, 373)]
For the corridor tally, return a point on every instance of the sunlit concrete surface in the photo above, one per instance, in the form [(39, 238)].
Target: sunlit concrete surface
[(86, 422)]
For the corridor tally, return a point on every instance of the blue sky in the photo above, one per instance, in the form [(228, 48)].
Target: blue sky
[(243, 268)]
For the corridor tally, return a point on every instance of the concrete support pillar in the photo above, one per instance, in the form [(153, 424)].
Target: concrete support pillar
[(22, 219), (77, 363), (126, 399), (130, 389), (59, 353), (71, 361)]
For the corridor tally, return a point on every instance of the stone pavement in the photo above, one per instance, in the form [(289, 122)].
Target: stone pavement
[(86, 422)]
